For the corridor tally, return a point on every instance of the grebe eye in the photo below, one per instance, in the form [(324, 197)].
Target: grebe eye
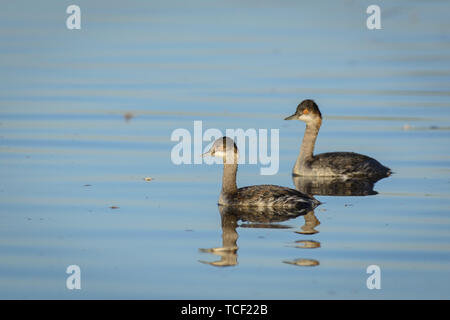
[(305, 111)]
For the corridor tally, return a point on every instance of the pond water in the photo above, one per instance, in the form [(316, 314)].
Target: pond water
[(86, 115)]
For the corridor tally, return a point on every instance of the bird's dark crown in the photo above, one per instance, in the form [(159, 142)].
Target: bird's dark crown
[(308, 106)]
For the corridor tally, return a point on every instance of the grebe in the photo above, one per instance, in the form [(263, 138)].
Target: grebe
[(344, 164), (254, 196)]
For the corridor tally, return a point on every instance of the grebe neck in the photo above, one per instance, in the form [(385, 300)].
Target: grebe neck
[(229, 178), (307, 148)]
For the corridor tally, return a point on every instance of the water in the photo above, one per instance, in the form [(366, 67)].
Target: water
[(68, 154)]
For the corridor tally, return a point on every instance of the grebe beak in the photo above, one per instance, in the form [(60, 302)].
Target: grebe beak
[(206, 154), (293, 117)]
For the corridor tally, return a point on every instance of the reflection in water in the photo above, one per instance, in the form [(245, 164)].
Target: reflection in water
[(326, 186), (311, 222), (254, 218), (308, 228), (228, 251), (263, 215), (264, 226), (335, 186), (266, 217), (303, 262), (307, 244)]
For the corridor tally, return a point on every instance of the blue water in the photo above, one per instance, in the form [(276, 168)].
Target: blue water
[(68, 154)]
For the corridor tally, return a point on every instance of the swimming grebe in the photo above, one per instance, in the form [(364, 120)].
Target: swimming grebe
[(254, 196), (345, 164)]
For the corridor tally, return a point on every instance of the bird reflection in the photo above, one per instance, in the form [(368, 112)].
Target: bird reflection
[(228, 251), (311, 222), (325, 186), (256, 217), (303, 262), (307, 244), (266, 217), (335, 186)]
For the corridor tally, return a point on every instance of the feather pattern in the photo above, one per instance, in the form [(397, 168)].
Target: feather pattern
[(268, 196), (346, 164)]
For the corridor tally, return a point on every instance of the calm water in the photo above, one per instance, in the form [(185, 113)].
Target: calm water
[(68, 154)]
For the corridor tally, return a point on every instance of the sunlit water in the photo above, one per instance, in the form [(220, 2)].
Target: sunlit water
[(69, 157)]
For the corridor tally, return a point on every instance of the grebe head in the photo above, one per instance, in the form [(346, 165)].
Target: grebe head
[(307, 111), (224, 148)]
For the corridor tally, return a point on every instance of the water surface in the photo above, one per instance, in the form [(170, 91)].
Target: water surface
[(68, 154)]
